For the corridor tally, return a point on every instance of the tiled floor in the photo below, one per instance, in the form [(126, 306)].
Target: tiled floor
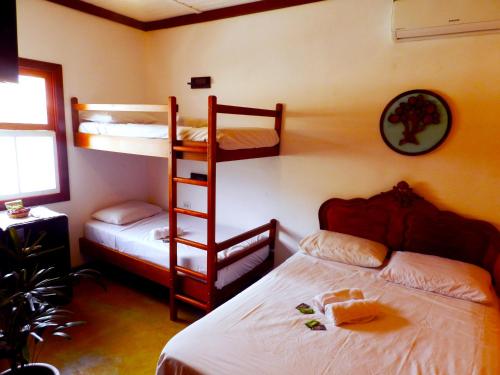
[(127, 327)]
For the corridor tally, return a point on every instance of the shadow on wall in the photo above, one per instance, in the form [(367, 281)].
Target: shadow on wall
[(286, 243)]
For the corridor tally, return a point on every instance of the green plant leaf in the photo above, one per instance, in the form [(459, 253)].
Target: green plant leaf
[(62, 334), (26, 353), (75, 324), (36, 337), (29, 249), (44, 252), (15, 238)]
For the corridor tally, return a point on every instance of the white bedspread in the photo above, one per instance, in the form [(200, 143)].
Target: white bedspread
[(228, 138), (260, 331), (133, 239)]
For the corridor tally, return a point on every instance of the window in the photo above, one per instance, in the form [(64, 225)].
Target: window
[(33, 156)]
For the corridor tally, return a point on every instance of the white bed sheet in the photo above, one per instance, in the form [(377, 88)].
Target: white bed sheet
[(260, 331), (228, 138), (133, 239)]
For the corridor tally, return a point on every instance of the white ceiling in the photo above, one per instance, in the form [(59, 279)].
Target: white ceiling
[(152, 10)]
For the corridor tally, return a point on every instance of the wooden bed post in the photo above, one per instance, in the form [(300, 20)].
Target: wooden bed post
[(278, 121), (75, 117), (272, 234), (172, 203), (212, 162)]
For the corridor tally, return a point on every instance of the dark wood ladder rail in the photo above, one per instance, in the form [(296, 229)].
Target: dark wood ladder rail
[(210, 247), (208, 151)]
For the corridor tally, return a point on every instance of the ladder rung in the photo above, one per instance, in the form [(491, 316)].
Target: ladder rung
[(191, 301), (187, 242), (190, 181), (184, 211), (189, 272), (196, 149)]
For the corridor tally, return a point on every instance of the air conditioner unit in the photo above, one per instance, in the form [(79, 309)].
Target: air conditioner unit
[(432, 18)]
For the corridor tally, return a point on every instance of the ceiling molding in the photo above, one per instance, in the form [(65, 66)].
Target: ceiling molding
[(228, 12), (94, 10), (188, 19)]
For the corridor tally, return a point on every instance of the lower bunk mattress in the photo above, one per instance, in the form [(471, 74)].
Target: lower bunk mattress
[(135, 240)]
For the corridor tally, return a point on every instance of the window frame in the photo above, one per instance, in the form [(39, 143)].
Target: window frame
[(52, 73)]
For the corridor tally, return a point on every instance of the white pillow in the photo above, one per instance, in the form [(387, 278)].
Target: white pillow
[(96, 117), (124, 117), (127, 212), (192, 122), (344, 248), (439, 275)]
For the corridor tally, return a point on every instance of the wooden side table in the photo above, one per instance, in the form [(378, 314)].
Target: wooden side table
[(57, 238)]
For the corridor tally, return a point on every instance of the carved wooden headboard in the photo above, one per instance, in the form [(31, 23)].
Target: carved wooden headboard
[(404, 221)]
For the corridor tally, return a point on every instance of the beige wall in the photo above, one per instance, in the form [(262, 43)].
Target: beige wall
[(102, 61), (332, 63), (335, 66)]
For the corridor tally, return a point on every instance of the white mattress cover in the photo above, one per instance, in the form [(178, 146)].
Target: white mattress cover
[(133, 239), (260, 331), (228, 138)]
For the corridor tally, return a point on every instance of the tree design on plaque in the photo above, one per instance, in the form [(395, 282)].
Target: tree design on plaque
[(415, 114)]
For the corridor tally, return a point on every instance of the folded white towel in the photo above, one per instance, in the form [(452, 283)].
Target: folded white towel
[(323, 299), (352, 311), (163, 233)]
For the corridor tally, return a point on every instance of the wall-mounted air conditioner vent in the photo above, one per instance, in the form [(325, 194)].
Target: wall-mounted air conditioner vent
[(432, 18)]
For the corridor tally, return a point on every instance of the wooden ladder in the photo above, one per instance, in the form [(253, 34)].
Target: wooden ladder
[(208, 150)]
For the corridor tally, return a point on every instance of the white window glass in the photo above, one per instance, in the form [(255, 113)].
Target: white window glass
[(24, 102), (9, 182), (29, 164), (36, 163)]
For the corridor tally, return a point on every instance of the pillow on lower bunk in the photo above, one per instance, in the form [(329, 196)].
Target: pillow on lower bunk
[(127, 212), (344, 248), (439, 275)]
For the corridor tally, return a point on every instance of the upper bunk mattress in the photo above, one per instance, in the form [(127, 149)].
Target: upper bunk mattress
[(134, 239), (228, 138), (260, 332)]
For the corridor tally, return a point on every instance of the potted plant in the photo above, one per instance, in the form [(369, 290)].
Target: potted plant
[(28, 313)]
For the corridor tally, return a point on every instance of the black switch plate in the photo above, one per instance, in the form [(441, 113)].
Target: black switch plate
[(199, 176), (200, 82)]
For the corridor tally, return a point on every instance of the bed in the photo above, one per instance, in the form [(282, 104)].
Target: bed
[(134, 240), (210, 144), (417, 332), (152, 139)]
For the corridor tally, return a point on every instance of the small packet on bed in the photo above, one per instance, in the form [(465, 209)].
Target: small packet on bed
[(315, 325), (304, 308)]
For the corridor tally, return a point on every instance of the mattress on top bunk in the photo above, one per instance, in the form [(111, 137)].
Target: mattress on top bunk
[(228, 138), (133, 239)]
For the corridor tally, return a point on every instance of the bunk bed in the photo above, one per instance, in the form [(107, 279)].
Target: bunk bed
[(190, 286)]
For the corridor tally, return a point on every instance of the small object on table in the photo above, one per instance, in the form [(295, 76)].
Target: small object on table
[(304, 308), (16, 209), (315, 325)]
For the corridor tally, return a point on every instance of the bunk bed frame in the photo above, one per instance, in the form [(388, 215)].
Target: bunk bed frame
[(186, 285), (161, 147)]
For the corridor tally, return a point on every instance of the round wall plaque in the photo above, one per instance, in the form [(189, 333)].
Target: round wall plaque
[(415, 122)]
